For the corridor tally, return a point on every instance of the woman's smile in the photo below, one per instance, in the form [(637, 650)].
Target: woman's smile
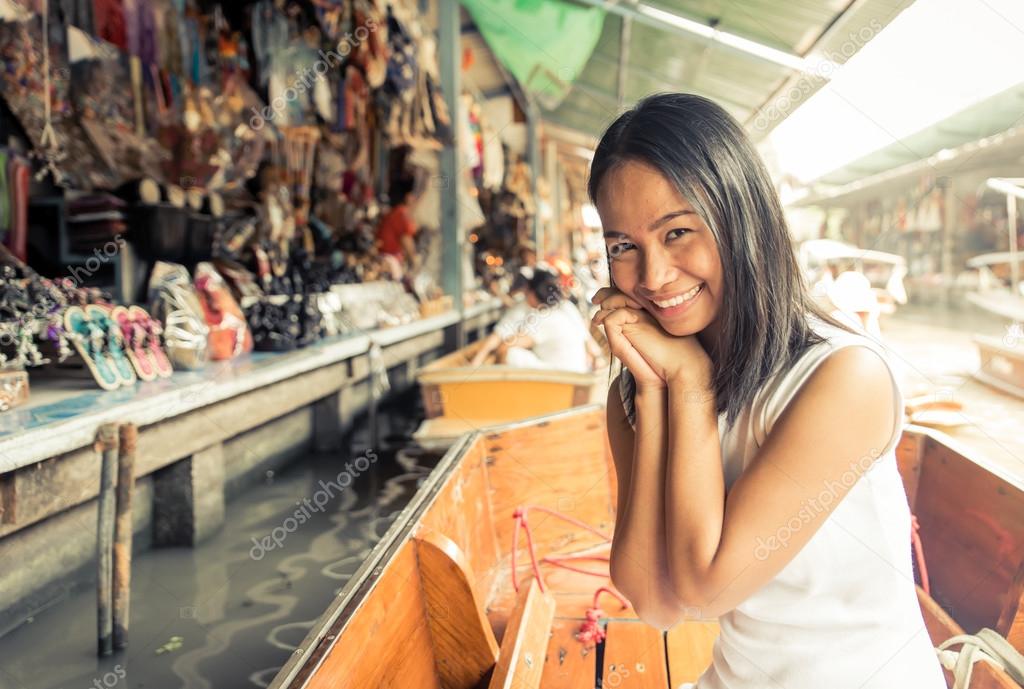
[(672, 306)]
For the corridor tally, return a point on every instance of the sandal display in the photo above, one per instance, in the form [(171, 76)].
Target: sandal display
[(136, 343), (151, 332), (115, 345), (90, 341)]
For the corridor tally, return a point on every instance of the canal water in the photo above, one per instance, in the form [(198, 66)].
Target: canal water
[(229, 613)]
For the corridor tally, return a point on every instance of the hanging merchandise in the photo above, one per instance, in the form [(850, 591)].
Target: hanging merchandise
[(296, 91), (106, 111), (167, 24), (17, 174), (34, 82), (435, 119), (300, 154), (269, 37), (241, 138), (369, 43), (110, 24), (493, 173), (399, 88)]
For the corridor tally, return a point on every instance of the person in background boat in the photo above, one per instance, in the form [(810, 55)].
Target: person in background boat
[(753, 434), (527, 257), (550, 334), (517, 308), (397, 230), (855, 302)]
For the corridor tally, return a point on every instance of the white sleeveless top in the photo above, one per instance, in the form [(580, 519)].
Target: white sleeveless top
[(844, 611)]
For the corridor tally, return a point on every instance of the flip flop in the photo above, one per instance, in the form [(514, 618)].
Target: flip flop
[(115, 345), (89, 340), (151, 328), (135, 339)]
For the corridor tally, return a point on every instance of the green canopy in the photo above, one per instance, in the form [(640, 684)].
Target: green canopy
[(543, 44)]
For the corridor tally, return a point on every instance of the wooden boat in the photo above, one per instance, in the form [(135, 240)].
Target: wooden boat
[(434, 603), (883, 270), (999, 292), (459, 397)]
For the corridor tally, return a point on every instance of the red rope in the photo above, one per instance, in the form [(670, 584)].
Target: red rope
[(922, 566), (520, 517), (590, 632)]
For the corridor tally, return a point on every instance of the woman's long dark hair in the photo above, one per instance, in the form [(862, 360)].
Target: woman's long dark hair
[(704, 152)]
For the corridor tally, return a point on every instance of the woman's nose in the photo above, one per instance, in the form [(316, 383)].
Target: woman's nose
[(658, 271)]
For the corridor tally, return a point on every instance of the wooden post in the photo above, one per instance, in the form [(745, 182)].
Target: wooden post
[(123, 532), (106, 443)]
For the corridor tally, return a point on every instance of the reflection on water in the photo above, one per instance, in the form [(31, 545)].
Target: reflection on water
[(214, 616)]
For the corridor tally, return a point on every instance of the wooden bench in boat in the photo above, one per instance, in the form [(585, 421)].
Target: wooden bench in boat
[(429, 605), (459, 397)]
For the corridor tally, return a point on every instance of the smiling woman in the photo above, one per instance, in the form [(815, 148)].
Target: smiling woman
[(741, 408)]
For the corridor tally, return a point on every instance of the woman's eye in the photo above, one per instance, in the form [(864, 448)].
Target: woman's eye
[(675, 234), (616, 250)]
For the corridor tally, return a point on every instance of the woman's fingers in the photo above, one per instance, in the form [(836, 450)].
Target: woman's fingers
[(630, 315), (611, 298), (603, 294)]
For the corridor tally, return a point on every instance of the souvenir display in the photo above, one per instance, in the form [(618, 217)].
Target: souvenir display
[(229, 335), (175, 303), (235, 155)]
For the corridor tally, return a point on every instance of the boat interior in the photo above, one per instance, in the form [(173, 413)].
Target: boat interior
[(436, 603)]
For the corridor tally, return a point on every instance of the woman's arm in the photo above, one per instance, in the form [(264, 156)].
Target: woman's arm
[(639, 566), (721, 550)]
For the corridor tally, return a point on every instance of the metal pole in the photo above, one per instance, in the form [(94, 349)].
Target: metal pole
[(452, 241), (107, 445), (1011, 228), (551, 166), (533, 157), (625, 35)]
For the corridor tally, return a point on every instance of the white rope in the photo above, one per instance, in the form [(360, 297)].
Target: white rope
[(987, 645)]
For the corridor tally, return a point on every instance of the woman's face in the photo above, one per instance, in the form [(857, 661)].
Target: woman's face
[(660, 251)]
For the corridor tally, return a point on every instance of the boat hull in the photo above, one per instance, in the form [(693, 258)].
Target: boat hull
[(435, 598), (459, 397)]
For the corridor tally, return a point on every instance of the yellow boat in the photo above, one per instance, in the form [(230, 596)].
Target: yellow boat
[(459, 397), (434, 605)]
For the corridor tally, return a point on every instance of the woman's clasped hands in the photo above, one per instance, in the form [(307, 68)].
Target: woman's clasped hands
[(655, 358)]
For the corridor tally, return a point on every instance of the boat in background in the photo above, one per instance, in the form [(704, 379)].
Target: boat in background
[(824, 259), (999, 292), (436, 603), (459, 397)]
